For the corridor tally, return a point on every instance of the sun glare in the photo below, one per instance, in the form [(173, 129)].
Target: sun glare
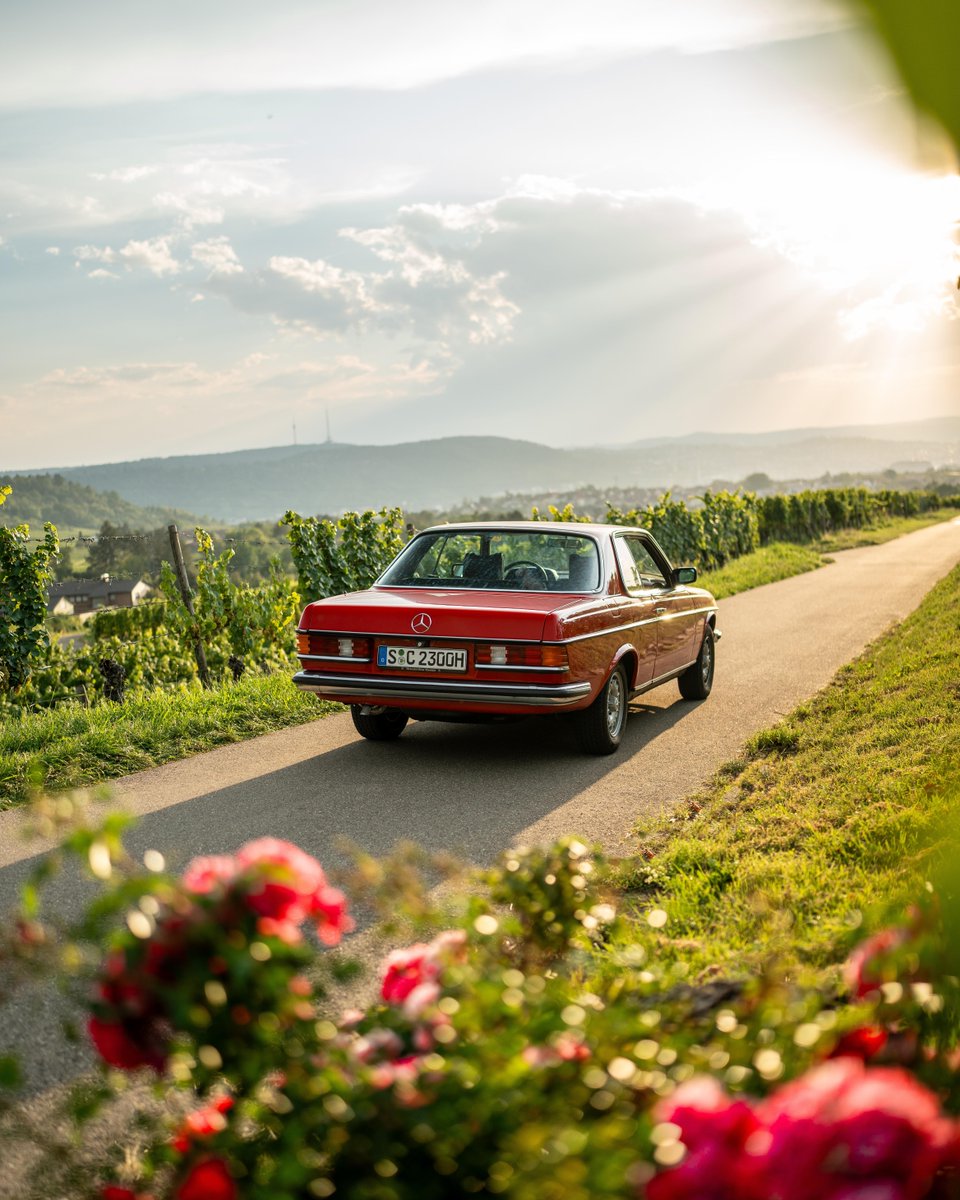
[(880, 238)]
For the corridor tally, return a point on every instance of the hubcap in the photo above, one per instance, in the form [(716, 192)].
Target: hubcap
[(615, 704), (707, 668)]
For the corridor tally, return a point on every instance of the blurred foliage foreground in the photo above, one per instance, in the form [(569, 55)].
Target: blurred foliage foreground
[(498, 1059)]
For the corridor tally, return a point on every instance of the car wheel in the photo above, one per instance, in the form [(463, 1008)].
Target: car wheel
[(601, 725), (696, 681), (382, 726)]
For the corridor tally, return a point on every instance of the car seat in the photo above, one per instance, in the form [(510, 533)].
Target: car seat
[(582, 572), (484, 568)]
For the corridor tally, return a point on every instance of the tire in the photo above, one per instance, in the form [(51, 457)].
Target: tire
[(601, 725), (383, 726), (697, 681)]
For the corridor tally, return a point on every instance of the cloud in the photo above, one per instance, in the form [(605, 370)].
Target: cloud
[(102, 273), (190, 210), (89, 253), (153, 254), (217, 255), (127, 174), (54, 250), (98, 408), (426, 289)]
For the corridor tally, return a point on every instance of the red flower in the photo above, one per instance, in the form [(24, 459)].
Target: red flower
[(860, 972), (844, 1131), (713, 1129), (202, 1123), (117, 1048), (209, 1179), (418, 964), (864, 1043), (282, 879)]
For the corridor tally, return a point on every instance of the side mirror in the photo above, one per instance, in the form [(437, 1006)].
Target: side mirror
[(685, 575)]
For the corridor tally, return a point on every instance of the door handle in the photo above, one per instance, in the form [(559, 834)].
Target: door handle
[(662, 608)]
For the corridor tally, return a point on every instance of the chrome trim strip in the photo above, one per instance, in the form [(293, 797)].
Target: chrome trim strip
[(652, 683), (534, 694), (331, 658), (582, 637)]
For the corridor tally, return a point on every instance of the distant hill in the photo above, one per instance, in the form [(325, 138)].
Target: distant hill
[(75, 507), (258, 484)]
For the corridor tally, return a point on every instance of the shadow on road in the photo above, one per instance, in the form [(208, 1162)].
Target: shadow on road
[(469, 789)]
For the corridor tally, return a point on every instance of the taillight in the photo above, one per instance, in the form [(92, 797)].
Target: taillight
[(513, 654), (333, 645)]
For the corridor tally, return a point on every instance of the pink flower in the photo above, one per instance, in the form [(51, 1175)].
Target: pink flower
[(570, 1048), (282, 879), (329, 908), (422, 997), (379, 1044), (203, 875), (407, 969), (849, 1132), (286, 931), (713, 1128), (860, 971)]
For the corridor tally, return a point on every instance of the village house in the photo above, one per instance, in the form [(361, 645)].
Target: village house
[(77, 597)]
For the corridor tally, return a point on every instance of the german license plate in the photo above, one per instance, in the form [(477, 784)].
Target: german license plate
[(421, 658)]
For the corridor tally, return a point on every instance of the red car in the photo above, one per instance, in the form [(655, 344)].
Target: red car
[(500, 620)]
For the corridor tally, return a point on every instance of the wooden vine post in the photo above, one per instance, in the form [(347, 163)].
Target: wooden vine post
[(187, 595)]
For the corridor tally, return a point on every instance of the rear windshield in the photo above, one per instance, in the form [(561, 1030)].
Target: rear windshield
[(514, 560)]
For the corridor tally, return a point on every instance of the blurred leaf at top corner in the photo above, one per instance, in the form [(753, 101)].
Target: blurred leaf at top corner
[(923, 37)]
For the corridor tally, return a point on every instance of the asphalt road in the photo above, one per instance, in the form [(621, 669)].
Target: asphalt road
[(478, 789)]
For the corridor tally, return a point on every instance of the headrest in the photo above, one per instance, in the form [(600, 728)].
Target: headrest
[(582, 571), (483, 566)]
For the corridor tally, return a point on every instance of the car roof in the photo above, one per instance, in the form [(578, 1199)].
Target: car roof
[(593, 528)]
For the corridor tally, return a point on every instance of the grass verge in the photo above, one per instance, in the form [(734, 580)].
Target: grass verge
[(849, 539), (770, 563), (780, 560), (74, 746), (838, 809)]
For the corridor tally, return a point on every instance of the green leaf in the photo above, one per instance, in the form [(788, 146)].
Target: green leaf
[(11, 1075)]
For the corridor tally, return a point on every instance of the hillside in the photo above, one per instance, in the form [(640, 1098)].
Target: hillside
[(256, 484), (75, 507)]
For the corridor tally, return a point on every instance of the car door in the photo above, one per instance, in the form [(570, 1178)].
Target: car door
[(675, 624), (641, 618)]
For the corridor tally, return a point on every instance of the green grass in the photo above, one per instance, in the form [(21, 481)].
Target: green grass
[(839, 809), (73, 746), (780, 560), (849, 539)]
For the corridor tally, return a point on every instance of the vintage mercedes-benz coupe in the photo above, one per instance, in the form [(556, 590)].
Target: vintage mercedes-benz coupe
[(494, 621)]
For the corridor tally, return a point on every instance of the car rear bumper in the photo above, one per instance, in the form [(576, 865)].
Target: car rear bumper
[(362, 688)]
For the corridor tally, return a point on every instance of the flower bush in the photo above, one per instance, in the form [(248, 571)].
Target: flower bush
[(528, 1045)]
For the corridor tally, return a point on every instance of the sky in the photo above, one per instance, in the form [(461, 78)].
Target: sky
[(575, 222)]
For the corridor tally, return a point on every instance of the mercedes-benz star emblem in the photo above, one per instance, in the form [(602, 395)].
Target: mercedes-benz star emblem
[(421, 623)]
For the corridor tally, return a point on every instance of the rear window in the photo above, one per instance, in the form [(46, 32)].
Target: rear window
[(511, 560)]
